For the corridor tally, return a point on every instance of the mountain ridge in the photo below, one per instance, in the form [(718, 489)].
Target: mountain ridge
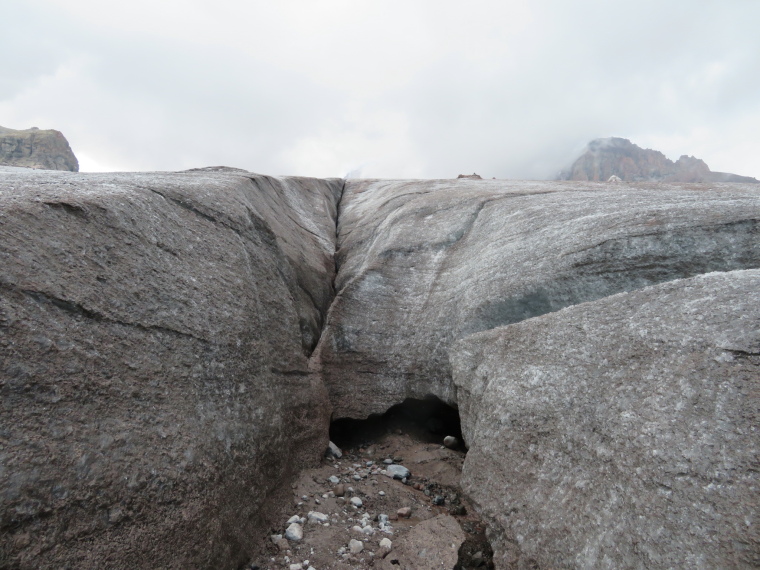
[(615, 156)]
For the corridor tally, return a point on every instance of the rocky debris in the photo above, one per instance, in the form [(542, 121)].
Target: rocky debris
[(430, 545), (472, 176), (154, 382), (622, 432), (424, 263), (616, 159), (361, 537), (35, 148)]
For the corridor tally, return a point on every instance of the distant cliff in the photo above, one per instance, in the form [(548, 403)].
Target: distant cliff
[(35, 148), (619, 157)]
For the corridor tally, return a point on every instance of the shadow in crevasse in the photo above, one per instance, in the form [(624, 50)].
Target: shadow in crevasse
[(428, 420)]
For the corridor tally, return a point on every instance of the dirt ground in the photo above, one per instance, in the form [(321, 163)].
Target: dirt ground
[(441, 531)]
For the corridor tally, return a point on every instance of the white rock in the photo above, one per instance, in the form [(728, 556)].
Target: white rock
[(368, 530), (334, 450), (356, 501), (294, 518), (295, 567), (334, 480), (355, 546), (450, 441), (317, 517), (397, 472), (294, 532), (382, 493), (386, 544), (357, 529)]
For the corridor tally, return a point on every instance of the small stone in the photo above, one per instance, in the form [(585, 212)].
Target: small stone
[(355, 546), (388, 461), (386, 544), (382, 493), (295, 567), (397, 472), (317, 517), (293, 519), (356, 501), (294, 532), (357, 478), (357, 529), (382, 518), (450, 441), (334, 450), (334, 480), (404, 513), (439, 500), (339, 490)]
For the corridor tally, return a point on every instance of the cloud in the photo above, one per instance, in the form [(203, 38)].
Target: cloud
[(430, 89)]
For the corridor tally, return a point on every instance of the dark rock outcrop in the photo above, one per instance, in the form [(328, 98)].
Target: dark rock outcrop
[(424, 263), (154, 385), (620, 433), (35, 148), (619, 157)]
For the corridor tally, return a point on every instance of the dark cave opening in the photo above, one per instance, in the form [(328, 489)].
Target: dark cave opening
[(429, 420)]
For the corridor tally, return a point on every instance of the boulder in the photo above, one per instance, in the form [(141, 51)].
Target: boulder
[(35, 148), (154, 381), (620, 433), (424, 263)]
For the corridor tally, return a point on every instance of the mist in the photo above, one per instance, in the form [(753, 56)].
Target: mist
[(426, 89)]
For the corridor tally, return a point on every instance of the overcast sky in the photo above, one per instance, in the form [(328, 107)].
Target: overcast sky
[(509, 88)]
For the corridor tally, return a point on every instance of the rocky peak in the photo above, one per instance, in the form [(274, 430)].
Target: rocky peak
[(35, 148), (620, 157)]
